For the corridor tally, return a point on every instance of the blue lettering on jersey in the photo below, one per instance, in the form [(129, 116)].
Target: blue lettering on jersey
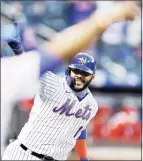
[(78, 114), (62, 108), (70, 108), (67, 107)]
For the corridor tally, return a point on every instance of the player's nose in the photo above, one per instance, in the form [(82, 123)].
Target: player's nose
[(78, 75)]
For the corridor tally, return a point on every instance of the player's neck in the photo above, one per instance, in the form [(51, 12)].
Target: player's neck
[(80, 95)]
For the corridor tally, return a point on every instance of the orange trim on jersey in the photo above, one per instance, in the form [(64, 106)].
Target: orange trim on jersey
[(81, 148)]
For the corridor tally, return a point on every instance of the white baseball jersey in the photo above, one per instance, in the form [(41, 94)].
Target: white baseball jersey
[(57, 118)]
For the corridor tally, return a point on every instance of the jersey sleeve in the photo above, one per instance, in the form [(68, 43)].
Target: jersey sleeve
[(48, 84), (83, 134)]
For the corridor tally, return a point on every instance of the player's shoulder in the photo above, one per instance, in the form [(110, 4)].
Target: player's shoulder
[(49, 78), (52, 75)]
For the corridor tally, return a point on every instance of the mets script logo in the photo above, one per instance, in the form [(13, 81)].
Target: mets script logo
[(67, 107), (83, 60)]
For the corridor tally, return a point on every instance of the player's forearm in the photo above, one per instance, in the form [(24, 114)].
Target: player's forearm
[(73, 39), (76, 38), (81, 148)]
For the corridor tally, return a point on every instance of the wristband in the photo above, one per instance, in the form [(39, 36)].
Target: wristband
[(16, 47), (84, 159)]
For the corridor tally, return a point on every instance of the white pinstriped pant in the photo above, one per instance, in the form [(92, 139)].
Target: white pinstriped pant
[(15, 152)]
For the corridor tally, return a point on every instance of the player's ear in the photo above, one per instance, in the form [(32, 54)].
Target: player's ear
[(93, 76), (67, 71)]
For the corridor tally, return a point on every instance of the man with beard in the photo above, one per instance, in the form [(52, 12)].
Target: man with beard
[(62, 109)]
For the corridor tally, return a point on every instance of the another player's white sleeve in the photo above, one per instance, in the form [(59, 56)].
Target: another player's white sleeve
[(19, 76)]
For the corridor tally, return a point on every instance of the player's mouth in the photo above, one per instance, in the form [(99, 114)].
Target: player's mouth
[(79, 83)]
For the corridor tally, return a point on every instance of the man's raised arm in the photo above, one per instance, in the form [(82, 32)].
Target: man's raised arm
[(77, 37)]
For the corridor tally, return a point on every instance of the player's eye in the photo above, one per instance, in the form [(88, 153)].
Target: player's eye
[(85, 74), (77, 71)]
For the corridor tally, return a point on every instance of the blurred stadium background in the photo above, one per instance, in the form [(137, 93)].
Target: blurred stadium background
[(115, 133)]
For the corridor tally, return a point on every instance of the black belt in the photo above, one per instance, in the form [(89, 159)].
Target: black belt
[(40, 156)]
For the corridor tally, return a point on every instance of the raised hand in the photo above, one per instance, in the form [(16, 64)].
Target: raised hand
[(131, 10), (10, 33)]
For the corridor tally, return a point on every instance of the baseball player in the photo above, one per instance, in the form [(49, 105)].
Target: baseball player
[(39, 63), (62, 109)]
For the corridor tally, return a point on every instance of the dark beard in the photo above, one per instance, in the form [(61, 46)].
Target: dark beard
[(72, 85)]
